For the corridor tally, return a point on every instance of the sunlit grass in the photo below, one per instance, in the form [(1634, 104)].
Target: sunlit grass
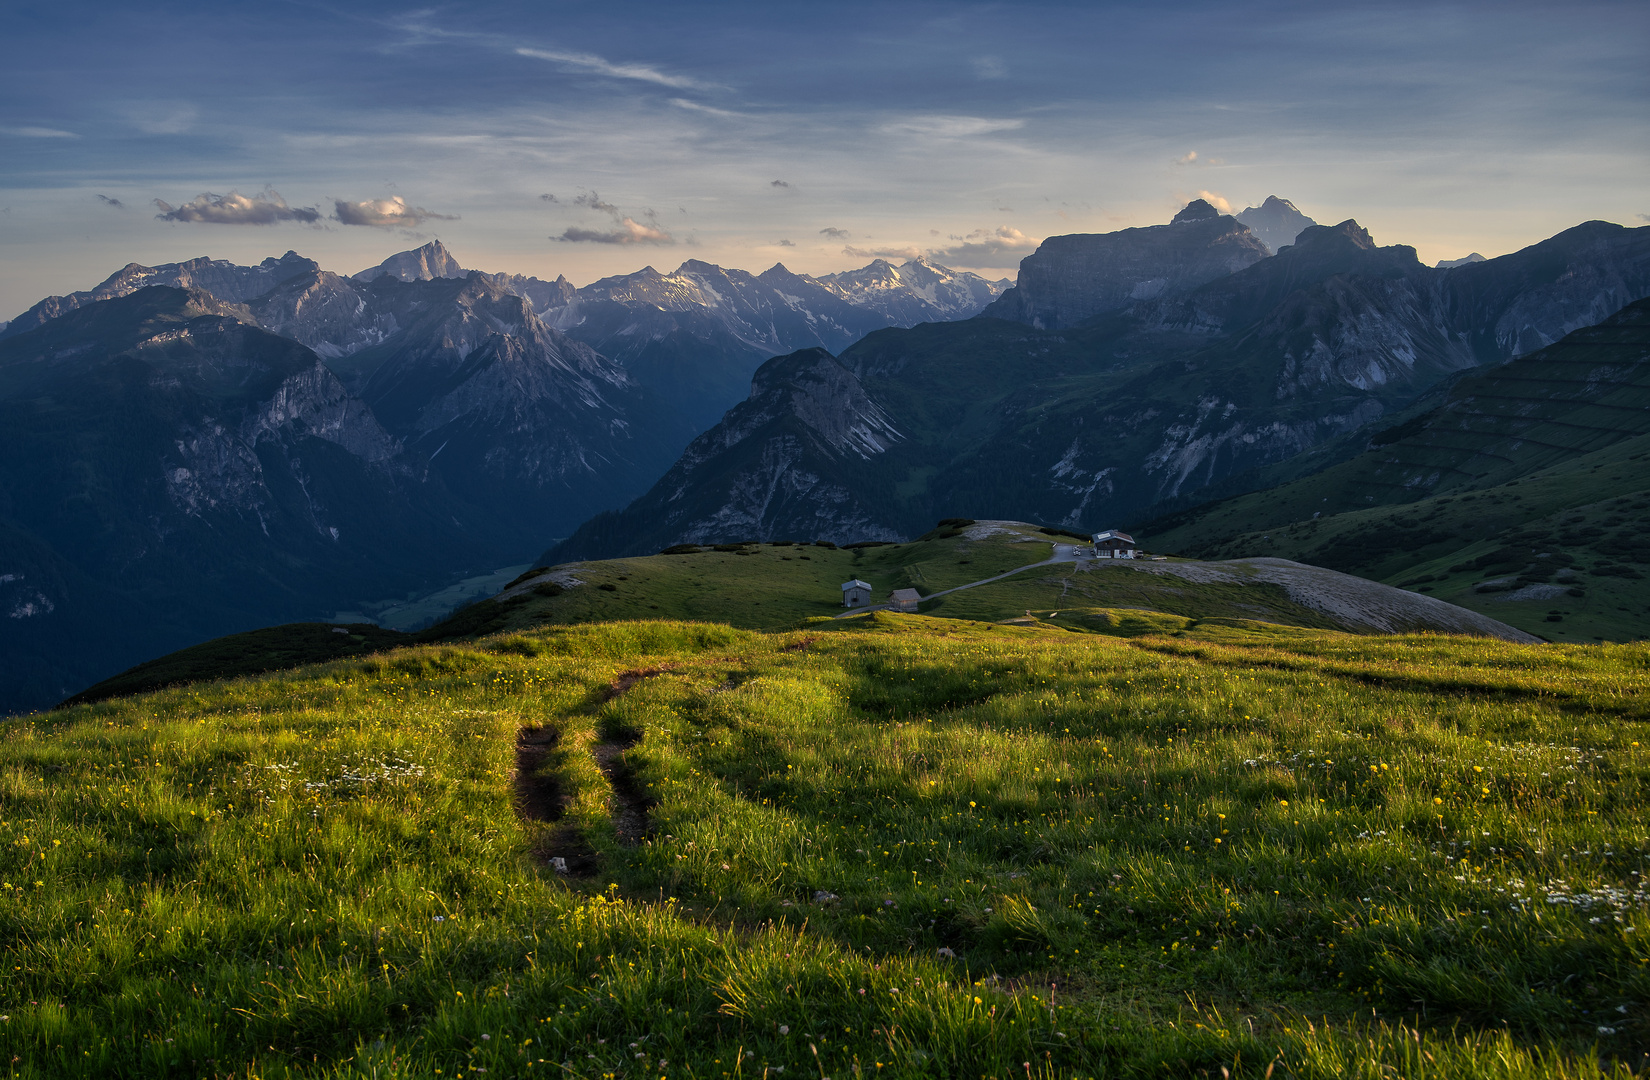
[(918, 848)]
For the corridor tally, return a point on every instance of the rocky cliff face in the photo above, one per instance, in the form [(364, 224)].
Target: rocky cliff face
[(1092, 426), (1070, 279), (427, 263), (796, 460), (169, 471)]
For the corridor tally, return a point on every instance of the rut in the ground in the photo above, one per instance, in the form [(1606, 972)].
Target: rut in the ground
[(539, 797)]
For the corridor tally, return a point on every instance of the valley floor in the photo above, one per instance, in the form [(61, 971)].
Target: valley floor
[(896, 845)]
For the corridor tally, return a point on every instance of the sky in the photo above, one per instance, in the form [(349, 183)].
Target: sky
[(588, 139)]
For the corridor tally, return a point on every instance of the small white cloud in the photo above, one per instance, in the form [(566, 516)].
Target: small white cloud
[(29, 132), (391, 213), (1189, 158), (265, 208), (1217, 201), (625, 231), (989, 67), (601, 66)]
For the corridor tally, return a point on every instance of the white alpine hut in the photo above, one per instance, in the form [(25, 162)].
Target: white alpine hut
[(1112, 544)]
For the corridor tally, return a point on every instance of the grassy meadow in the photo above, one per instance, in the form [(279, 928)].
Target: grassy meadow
[(896, 846)]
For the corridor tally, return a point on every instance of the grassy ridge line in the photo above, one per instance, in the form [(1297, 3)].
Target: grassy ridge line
[(776, 587), (1144, 863)]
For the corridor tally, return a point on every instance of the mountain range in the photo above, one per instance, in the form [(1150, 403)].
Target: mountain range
[(1155, 381), (198, 448)]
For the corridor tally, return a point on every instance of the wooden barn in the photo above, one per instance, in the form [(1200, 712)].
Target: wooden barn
[(904, 600)]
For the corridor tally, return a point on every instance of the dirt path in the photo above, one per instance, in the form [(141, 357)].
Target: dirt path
[(1069, 556)]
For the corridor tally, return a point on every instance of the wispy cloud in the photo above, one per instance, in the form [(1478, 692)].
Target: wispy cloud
[(999, 247), (949, 127), (785, 243), (883, 253), (29, 132), (547, 197), (989, 67), (264, 208), (116, 203), (831, 232), (625, 228), (694, 106), (1188, 158), (391, 213), (598, 65), (779, 183)]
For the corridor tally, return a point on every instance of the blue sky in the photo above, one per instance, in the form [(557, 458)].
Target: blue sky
[(812, 134)]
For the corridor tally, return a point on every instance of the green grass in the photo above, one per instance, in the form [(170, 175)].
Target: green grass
[(779, 587), (1589, 513), (256, 651), (1229, 845)]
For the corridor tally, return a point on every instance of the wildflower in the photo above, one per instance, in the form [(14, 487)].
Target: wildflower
[(784, 1029)]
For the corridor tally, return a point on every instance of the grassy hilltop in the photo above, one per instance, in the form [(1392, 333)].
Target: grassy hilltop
[(894, 846)]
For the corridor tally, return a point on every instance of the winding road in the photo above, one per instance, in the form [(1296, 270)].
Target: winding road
[(1063, 553)]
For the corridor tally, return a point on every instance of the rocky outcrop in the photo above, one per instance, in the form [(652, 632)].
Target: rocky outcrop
[(1070, 279)]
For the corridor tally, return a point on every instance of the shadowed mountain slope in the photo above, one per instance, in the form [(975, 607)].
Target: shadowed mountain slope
[(169, 472), (1093, 425)]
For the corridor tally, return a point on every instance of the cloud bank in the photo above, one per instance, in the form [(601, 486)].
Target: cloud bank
[(264, 208), (390, 213)]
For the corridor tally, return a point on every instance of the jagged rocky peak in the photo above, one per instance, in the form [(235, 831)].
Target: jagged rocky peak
[(1276, 221), (1348, 231), (1069, 279), (220, 277), (427, 263), (1450, 264), (1196, 210)]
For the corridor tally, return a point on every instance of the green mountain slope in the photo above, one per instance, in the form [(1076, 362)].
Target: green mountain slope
[(1545, 455), (782, 585)]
